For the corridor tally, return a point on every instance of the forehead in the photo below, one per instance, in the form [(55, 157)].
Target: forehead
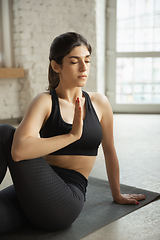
[(80, 51)]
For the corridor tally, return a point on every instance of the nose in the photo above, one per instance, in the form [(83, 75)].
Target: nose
[(83, 66)]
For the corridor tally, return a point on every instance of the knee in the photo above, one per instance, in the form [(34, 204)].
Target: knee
[(6, 131), (54, 225)]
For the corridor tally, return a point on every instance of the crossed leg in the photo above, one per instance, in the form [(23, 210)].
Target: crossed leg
[(41, 195)]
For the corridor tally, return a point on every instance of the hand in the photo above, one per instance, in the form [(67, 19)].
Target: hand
[(130, 198), (77, 126)]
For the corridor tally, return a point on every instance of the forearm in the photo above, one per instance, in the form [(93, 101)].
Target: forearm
[(33, 147), (112, 167), (113, 177)]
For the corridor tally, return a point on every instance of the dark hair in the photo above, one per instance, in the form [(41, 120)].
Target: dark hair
[(60, 47)]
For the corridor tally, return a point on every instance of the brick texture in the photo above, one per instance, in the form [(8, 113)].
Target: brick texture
[(35, 25)]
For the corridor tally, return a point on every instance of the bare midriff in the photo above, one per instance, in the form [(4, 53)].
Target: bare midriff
[(82, 164)]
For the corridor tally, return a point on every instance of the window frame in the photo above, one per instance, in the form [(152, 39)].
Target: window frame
[(111, 56), (6, 40)]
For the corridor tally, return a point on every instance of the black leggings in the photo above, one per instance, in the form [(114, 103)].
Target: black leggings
[(38, 195)]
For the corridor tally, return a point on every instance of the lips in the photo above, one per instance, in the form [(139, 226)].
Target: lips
[(82, 76)]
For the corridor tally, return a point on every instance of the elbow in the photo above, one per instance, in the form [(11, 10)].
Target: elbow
[(15, 155)]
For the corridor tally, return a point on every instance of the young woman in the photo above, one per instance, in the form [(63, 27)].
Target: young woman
[(50, 172)]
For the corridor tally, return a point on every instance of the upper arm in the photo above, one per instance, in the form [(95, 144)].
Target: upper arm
[(107, 125), (105, 115), (34, 117)]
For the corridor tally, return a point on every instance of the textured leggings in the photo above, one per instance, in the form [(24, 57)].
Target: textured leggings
[(38, 194)]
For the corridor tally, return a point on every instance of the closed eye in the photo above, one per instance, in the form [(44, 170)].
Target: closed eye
[(77, 62)]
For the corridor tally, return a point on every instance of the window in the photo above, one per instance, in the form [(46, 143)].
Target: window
[(138, 32), (133, 48)]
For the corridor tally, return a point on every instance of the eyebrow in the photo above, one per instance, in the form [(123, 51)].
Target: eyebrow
[(87, 56)]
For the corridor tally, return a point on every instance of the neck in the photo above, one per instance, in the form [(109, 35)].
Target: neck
[(69, 94)]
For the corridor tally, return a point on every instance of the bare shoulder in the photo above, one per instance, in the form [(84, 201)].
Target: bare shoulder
[(41, 102), (35, 116), (98, 97), (41, 97), (41, 105), (101, 104)]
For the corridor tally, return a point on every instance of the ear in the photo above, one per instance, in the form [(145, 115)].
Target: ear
[(55, 66)]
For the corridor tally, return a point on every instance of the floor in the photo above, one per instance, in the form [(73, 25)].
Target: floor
[(137, 141)]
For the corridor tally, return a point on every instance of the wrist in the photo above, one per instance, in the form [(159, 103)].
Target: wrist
[(75, 136), (117, 196), (72, 137)]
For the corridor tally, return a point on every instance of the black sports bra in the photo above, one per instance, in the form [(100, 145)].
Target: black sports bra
[(91, 137)]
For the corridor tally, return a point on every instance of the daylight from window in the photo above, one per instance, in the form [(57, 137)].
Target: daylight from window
[(138, 31)]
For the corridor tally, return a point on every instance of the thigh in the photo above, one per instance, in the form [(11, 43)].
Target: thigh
[(11, 214), (3, 163), (45, 198)]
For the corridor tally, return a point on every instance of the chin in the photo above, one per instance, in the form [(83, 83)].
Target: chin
[(82, 84)]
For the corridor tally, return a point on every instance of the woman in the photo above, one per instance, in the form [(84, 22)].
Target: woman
[(50, 173)]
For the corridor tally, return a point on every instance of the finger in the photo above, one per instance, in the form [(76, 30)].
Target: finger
[(140, 197), (131, 201), (78, 102), (78, 106), (78, 110), (137, 196)]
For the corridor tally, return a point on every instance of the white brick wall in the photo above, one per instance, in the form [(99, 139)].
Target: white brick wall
[(35, 24), (100, 44), (9, 98)]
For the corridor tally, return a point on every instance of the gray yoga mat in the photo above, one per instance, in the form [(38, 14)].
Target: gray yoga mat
[(99, 210)]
